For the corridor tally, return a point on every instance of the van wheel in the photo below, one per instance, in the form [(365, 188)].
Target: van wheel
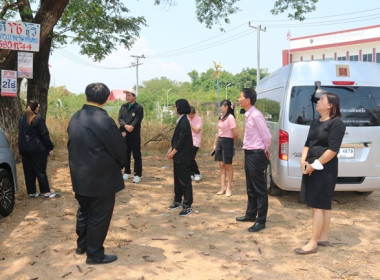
[(364, 193), (7, 193), (271, 187)]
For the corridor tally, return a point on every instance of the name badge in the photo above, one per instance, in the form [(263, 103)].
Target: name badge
[(133, 114)]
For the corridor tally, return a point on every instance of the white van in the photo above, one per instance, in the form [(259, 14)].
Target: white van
[(286, 99)]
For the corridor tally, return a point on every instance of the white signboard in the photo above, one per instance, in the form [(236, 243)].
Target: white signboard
[(25, 65), (8, 83), (19, 36)]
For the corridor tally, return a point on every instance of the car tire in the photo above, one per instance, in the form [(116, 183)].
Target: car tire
[(271, 187), (7, 193)]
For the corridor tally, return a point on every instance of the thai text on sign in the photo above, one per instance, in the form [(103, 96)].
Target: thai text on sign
[(25, 65), (22, 36), (8, 83)]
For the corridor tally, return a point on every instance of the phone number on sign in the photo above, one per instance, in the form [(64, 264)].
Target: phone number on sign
[(9, 45)]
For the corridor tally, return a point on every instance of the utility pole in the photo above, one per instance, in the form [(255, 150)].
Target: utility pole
[(226, 88), (167, 99), (137, 70), (258, 28), (218, 66)]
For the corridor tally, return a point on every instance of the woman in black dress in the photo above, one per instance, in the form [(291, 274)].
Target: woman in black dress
[(319, 165)]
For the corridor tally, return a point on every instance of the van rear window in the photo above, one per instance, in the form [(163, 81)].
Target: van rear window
[(360, 106)]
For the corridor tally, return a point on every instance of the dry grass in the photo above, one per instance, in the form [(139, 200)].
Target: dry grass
[(155, 135)]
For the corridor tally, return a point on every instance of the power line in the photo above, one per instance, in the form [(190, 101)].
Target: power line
[(312, 18), (208, 46), (201, 42), (331, 22), (203, 45), (87, 63)]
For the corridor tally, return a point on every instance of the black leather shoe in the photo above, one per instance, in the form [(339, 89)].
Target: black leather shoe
[(245, 219), (80, 251), (256, 227), (107, 259)]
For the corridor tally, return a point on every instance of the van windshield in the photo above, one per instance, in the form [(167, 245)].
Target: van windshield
[(360, 106)]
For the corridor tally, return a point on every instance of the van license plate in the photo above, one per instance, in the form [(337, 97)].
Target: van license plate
[(346, 153)]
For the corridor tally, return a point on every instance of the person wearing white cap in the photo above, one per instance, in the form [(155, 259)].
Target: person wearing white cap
[(130, 117)]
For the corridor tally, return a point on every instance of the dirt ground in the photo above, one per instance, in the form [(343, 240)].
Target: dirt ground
[(37, 241)]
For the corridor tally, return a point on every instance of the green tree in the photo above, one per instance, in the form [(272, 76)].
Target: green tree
[(97, 26), (156, 90), (217, 12)]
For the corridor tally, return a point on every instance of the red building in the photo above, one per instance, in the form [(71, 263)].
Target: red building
[(117, 94)]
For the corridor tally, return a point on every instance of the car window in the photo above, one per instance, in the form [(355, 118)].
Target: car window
[(268, 103), (360, 106)]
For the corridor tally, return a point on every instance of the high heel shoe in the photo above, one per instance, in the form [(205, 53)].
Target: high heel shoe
[(228, 194), (221, 192)]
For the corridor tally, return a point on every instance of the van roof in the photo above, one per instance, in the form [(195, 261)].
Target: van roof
[(306, 73)]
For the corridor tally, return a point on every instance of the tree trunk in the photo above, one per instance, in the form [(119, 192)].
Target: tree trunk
[(49, 13), (38, 87), (10, 108)]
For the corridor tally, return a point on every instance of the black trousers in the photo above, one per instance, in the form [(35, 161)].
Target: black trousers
[(182, 184), (35, 168), (255, 163), (194, 165), (93, 220), (134, 147)]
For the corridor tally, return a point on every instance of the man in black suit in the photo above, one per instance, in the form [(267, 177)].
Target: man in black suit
[(130, 117), (181, 153), (97, 153)]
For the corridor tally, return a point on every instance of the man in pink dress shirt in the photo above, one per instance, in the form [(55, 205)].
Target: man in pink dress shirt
[(257, 140)]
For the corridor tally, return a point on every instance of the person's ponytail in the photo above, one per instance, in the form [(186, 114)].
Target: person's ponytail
[(30, 109)]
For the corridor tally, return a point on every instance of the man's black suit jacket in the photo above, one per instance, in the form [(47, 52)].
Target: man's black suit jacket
[(97, 153)]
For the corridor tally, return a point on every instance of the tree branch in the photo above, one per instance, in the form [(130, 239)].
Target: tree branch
[(6, 7)]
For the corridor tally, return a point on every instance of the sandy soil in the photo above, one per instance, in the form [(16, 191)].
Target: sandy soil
[(37, 241)]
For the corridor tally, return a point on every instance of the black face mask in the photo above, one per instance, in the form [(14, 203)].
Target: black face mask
[(242, 111)]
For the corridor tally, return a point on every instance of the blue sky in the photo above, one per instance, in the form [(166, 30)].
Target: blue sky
[(175, 43)]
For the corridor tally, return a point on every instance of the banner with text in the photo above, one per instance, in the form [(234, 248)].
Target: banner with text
[(25, 65), (23, 36), (8, 83)]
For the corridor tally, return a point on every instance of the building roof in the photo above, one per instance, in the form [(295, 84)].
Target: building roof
[(117, 94)]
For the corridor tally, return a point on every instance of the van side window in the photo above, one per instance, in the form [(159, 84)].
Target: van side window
[(360, 106), (268, 102)]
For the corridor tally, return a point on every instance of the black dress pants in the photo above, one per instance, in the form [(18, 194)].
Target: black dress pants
[(182, 184), (194, 165), (255, 164), (93, 220), (35, 168), (134, 147)]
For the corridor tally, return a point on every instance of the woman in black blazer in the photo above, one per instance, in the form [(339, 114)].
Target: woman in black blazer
[(35, 146), (181, 151)]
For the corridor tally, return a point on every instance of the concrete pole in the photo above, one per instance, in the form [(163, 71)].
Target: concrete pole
[(137, 70), (226, 88), (167, 99), (258, 28), (218, 88)]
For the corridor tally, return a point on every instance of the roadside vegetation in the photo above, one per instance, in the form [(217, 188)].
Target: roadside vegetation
[(154, 95)]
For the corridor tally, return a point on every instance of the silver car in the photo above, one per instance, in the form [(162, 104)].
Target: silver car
[(8, 177)]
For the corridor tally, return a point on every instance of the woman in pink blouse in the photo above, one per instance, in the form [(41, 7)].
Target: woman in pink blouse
[(196, 132), (224, 145)]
